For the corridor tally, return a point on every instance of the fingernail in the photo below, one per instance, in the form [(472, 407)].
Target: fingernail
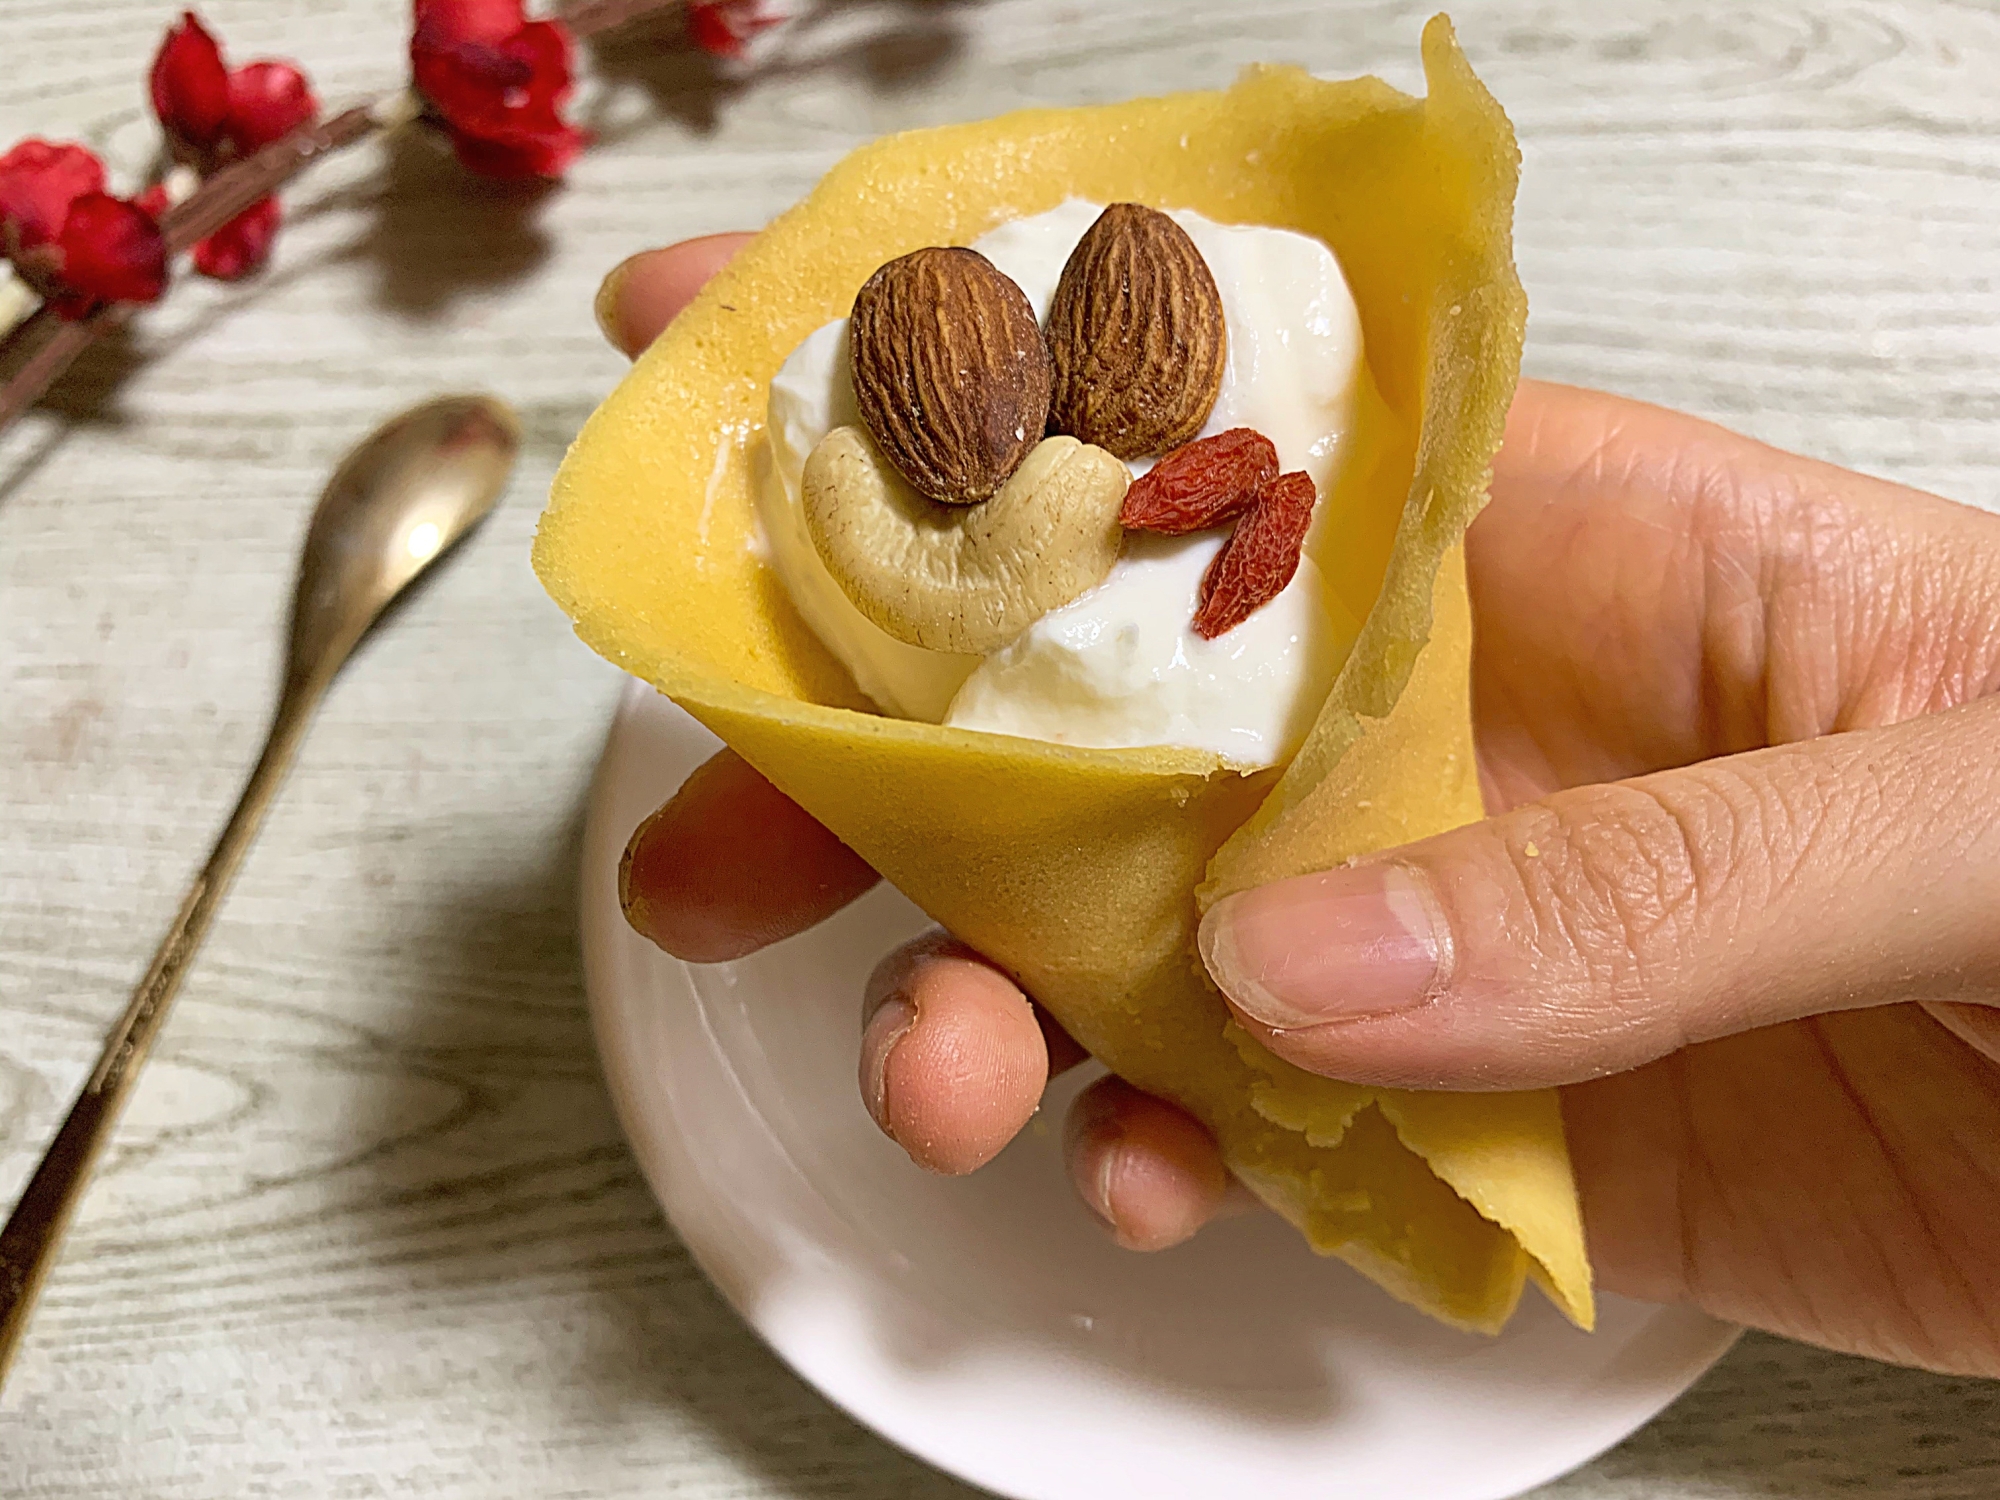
[(1094, 1182), (638, 914), (891, 1022), (605, 305), (1360, 941)]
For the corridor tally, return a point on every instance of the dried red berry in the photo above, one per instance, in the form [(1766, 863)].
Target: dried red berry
[(1200, 484), (1259, 558)]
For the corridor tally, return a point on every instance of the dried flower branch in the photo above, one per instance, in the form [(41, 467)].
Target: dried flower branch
[(493, 81)]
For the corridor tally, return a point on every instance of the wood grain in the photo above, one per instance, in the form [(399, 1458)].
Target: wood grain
[(370, 1228)]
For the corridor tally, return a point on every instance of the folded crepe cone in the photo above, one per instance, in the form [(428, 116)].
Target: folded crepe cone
[(1078, 869)]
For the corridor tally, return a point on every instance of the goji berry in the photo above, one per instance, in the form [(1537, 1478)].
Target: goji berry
[(1200, 484), (1260, 557)]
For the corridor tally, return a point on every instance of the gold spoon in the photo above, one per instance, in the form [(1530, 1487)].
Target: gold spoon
[(394, 506)]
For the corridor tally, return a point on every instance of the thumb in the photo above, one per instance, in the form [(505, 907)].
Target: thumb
[(1609, 925)]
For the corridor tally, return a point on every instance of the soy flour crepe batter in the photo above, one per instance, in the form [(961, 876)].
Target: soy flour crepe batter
[(1083, 871)]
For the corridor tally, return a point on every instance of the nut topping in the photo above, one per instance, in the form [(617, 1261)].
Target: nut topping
[(954, 578), (950, 372), (1136, 335)]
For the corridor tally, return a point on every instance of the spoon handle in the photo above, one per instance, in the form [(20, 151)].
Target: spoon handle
[(34, 1232)]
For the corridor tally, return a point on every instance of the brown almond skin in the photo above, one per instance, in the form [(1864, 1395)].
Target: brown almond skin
[(1136, 336), (950, 372)]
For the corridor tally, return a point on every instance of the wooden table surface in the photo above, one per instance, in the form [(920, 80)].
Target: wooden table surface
[(369, 1228)]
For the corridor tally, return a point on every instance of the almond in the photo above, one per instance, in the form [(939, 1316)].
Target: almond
[(950, 372), (1136, 335)]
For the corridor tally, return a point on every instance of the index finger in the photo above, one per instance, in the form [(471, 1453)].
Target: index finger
[(731, 864), (642, 294)]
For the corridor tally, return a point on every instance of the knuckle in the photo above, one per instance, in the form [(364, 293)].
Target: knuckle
[(1635, 885), (1621, 879)]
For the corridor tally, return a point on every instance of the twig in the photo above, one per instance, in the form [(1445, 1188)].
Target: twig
[(57, 352), (595, 17), (240, 184)]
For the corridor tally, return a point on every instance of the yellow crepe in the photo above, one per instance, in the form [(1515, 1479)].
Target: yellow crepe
[(1078, 869)]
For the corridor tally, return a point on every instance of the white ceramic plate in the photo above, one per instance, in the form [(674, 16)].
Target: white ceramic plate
[(986, 1324)]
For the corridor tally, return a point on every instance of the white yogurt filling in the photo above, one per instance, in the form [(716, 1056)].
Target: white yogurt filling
[(1120, 665)]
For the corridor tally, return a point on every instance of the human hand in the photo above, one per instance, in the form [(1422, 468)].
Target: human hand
[(1739, 716)]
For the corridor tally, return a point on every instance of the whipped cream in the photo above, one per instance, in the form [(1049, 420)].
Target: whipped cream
[(1120, 665)]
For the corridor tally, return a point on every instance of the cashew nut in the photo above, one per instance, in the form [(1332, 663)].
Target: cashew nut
[(963, 578)]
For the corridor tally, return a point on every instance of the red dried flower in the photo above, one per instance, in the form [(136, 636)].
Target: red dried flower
[(213, 114), (724, 28), (190, 86), (267, 101), (496, 82), (39, 180), (112, 251), (242, 245), (70, 240)]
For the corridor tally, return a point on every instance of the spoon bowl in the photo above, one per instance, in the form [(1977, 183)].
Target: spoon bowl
[(399, 501)]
